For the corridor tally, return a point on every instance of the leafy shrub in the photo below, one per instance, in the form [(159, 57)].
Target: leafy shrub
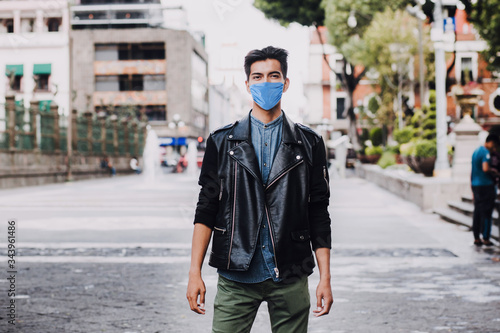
[(404, 135), (425, 148), (387, 159), (374, 150), (407, 149), (417, 118), (373, 104), (430, 115), (432, 97), (429, 124), (376, 136), (429, 134), (393, 149)]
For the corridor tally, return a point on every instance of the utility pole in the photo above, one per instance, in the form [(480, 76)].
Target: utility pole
[(442, 166)]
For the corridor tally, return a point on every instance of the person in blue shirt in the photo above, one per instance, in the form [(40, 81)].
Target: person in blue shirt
[(483, 190)]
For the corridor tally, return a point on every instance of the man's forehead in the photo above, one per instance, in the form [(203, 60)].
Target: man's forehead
[(268, 65)]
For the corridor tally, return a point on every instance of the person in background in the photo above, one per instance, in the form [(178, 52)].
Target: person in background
[(483, 190), (134, 165)]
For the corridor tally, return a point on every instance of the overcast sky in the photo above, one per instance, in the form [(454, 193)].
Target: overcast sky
[(238, 23)]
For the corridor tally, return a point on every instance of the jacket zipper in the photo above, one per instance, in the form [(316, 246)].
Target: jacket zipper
[(276, 270), (285, 172), (220, 229), (234, 213)]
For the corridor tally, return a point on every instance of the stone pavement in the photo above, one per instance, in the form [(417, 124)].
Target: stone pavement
[(112, 255)]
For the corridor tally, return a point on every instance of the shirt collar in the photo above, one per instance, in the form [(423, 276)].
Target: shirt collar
[(276, 122)]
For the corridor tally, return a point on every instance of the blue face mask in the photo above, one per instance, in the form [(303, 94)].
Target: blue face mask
[(267, 94)]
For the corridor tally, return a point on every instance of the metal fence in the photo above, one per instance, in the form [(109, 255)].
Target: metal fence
[(40, 127)]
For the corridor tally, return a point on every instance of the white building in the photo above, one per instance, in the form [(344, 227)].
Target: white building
[(34, 47), (326, 100)]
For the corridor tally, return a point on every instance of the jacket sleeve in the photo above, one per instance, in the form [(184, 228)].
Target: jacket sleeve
[(208, 202), (319, 217)]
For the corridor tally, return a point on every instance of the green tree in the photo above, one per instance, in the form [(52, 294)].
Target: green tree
[(336, 12)]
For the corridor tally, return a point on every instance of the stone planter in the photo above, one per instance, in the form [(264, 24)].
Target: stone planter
[(373, 159), (425, 165)]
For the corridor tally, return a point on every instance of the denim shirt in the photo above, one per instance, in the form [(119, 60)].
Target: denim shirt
[(266, 139)]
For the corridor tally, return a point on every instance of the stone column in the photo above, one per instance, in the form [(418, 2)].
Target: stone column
[(34, 110), (126, 143), (88, 119), (465, 143), (57, 134), (74, 137), (10, 105)]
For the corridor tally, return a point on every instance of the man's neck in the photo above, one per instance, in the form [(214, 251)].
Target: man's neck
[(266, 116)]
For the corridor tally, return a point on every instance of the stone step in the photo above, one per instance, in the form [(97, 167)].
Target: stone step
[(453, 216), (467, 198), (467, 208)]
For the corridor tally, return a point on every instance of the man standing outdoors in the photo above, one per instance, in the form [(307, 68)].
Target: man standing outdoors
[(483, 190), (264, 196)]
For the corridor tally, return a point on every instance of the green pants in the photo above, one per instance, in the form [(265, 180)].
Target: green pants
[(236, 305)]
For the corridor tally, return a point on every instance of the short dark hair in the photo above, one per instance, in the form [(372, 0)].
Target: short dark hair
[(493, 138), (269, 52)]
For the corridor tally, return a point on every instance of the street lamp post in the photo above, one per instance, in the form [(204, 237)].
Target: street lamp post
[(175, 124), (441, 167)]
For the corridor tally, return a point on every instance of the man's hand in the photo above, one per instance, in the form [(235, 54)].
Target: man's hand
[(196, 288), (324, 298)]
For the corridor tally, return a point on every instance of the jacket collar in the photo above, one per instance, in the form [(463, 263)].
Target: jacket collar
[(241, 131)]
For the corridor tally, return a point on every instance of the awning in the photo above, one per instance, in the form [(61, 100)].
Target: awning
[(18, 69), (169, 141), (42, 68), (44, 105)]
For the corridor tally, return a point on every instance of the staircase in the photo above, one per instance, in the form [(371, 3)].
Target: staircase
[(460, 212)]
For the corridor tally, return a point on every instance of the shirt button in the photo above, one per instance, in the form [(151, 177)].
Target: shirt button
[(301, 237), (265, 144), (299, 142), (231, 152), (265, 164), (298, 157), (231, 136), (263, 246)]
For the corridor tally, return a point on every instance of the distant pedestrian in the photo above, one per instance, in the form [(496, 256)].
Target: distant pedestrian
[(483, 190), (134, 165), (264, 197), (106, 164)]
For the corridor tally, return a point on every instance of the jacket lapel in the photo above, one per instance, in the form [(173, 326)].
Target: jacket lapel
[(289, 152), (243, 151)]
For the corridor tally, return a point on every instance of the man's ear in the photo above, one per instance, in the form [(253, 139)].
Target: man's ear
[(286, 85), (248, 87)]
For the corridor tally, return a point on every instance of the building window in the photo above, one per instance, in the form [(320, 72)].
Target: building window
[(131, 82), (142, 51), (14, 73), (155, 112), (466, 73), (42, 82), (53, 24), (6, 26), (340, 108), (107, 83), (154, 82), (27, 25)]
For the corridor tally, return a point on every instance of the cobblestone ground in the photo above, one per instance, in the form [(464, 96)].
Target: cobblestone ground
[(112, 256)]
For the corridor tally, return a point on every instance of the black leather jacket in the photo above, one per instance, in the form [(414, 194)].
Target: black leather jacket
[(233, 199)]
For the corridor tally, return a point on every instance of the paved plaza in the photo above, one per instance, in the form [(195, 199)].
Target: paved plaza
[(112, 255)]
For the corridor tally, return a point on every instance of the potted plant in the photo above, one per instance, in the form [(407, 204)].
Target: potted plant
[(425, 156), (373, 154)]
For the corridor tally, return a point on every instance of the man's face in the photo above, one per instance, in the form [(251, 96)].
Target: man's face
[(268, 70), (491, 146)]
